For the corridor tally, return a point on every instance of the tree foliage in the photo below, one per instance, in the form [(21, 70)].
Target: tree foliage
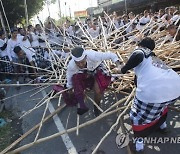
[(15, 9)]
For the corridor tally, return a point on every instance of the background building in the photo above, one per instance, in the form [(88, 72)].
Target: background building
[(137, 6)]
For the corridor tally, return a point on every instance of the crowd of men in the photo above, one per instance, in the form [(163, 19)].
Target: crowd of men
[(30, 47), (130, 22), (24, 49)]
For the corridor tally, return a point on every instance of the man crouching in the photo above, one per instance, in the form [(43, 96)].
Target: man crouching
[(87, 70)]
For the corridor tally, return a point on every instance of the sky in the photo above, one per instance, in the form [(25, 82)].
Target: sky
[(71, 6)]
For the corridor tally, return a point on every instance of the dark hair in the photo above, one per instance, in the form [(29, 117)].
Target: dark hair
[(146, 11), (95, 19), (77, 52), (147, 43), (155, 17), (17, 49), (131, 13), (37, 25), (30, 26), (13, 30), (19, 29)]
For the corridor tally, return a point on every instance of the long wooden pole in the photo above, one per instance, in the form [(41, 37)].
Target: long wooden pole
[(3, 26), (5, 16), (22, 148)]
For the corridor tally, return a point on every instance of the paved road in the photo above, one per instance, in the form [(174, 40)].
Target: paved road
[(88, 137)]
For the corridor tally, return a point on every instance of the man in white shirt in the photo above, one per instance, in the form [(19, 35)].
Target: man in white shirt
[(15, 40), (25, 44), (144, 20), (174, 33), (94, 31), (33, 37), (157, 87), (86, 70), (4, 55), (176, 18), (42, 37), (70, 30)]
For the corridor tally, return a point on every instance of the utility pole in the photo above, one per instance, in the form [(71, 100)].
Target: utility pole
[(125, 3), (48, 3), (26, 13), (70, 11), (59, 3), (65, 9)]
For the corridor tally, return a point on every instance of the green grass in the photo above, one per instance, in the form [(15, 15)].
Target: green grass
[(5, 131)]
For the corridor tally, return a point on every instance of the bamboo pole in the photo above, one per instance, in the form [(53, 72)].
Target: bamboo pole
[(21, 93), (77, 130), (22, 148), (40, 126), (94, 103), (26, 66), (5, 16), (3, 26)]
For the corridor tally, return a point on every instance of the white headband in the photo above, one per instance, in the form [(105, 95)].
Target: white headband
[(79, 58)]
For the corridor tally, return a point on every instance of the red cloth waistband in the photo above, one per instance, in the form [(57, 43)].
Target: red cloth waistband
[(142, 127)]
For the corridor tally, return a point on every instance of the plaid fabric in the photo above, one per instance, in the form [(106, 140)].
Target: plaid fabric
[(39, 58), (34, 58), (6, 67), (39, 54), (144, 113)]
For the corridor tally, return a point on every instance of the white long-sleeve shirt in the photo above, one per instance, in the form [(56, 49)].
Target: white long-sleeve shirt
[(94, 59), (94, 33), (144, 20), (4, 52), (35, 41), (70, 31), (42, 36), (11, 44)]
